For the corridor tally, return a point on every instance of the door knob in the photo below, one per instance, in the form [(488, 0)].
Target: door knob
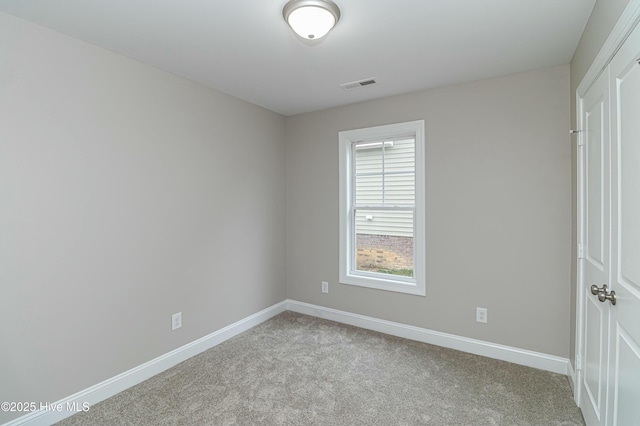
[(604, 294)]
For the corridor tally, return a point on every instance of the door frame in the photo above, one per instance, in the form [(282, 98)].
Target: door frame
[(625, 25)]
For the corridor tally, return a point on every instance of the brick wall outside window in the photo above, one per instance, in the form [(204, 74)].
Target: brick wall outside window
[(383, 251)]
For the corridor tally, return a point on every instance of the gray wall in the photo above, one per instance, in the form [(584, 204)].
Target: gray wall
[(126, 194), (603, 18), (498, 209)]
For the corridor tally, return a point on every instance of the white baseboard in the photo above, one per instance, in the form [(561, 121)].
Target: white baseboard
[(67, 407), (492, 350)]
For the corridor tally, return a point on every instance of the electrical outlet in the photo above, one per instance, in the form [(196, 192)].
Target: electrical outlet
[(481, 315), (176, 321), (325, 287)]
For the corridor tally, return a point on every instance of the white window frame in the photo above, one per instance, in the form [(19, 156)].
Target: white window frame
[(348, 274)]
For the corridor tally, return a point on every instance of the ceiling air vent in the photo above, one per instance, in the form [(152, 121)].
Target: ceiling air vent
[(359, 83)]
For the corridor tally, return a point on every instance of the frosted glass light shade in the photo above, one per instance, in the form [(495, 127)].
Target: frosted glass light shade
[(311, 19)]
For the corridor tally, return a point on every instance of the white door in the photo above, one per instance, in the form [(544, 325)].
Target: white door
[(595, 263), (624, 362), (610, 188)]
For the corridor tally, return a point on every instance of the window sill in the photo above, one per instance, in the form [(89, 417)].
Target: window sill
[(388, 284)]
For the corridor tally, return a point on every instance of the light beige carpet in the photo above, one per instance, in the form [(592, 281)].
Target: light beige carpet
[(300, 370)]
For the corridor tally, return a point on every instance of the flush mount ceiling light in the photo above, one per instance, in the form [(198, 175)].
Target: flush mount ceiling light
[(311, 19)]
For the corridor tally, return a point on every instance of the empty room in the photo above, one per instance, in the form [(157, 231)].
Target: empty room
[(316, 212)]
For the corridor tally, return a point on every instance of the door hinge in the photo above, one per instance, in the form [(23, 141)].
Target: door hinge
[(580, 139), (580, 251), (578, 362)]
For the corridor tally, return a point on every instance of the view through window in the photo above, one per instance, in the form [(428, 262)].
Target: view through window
[(384, 206)]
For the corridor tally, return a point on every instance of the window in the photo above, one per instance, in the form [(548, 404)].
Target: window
[(382, 207)]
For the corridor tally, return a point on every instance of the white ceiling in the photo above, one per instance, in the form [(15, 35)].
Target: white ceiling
[(244, 47)]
